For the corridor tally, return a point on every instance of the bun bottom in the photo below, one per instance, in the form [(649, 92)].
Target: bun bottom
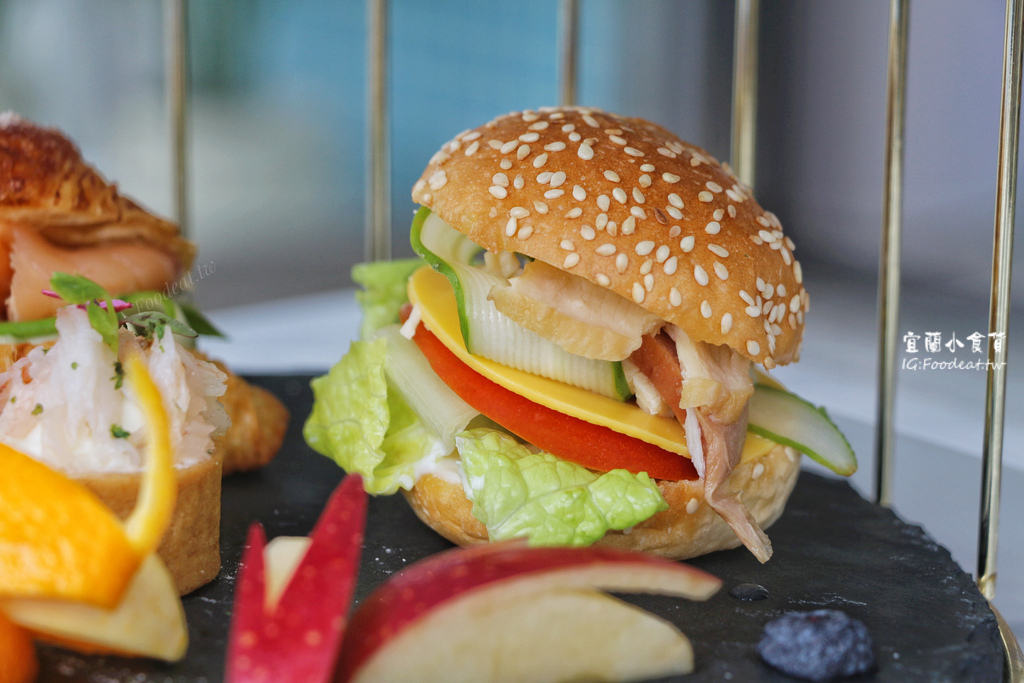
[(191, 544), (687, 529)]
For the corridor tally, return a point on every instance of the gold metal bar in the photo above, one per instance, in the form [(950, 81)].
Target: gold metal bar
[(999, 306), (568, 29), (176, 37), (744, 89), (889, 261), (378, 199)]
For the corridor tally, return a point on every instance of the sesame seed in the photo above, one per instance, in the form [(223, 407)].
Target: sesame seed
[(645, 180), (705, 196), (644, 248), (768, 291), (529, 116), (418, 187), (660, 216), (601, 221), (686, 244), (553, 194), (718, 214), (505, 164), (763, 220), (674, 297), (629, 225), (638, 196), (578, 193), (746, 297), (648, 278), (529, 137), (670, 177), (518, 212), (557, 116), (675, 231), (469, 137), (571, 260), (568, 128), (585, 152), (789, 244), (638, 212), (765, 235), (638, 293), (602, 279), (733, 196), (732, 211), (612, 176), (718, 251), (498, 192), (800, 317), (647, 168), (540, 125), (510, 227), (633, 152), (500, 179), (798, 272), (705, 309), (544, 177), (781, 289), (522, 152), (587, 233), (646, 267), (675, 200), (620, 195), (427, 197), (540, 160), (554, 147), (753, 348), (591, 121), (575, 137), (616, 139), (494, 144), (518, 182), (541, 207), (671, 265), (603, 202), (662, 253), (786, 258), (438, 180), (471, 150), (753, 311), (567, 245), (664, 151), (508, 147), (621, 263), (606, 249), (713, 186), (721, 271), (557, 179), (674, 212), (700, 275), (726, 323), (792, 320), (713, 228), (574, 212), (612, 228)]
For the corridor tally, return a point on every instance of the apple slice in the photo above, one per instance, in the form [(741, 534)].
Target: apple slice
[(149, 621), (459, 600), (296, 637)]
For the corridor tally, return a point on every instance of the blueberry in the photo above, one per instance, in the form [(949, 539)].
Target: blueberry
[(818, 645)]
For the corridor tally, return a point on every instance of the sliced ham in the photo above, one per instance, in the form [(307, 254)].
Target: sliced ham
[(119, 267), (707, 388)]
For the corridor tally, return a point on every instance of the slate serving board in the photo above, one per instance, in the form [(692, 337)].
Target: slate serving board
[(832, 549)]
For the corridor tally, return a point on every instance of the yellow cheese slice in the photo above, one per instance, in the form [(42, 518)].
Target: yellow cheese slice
[(433, 294)]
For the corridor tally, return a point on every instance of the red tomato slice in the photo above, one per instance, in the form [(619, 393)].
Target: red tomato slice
[(583, 443)]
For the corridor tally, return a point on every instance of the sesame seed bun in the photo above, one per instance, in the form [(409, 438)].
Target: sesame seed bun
[(627, 205), (689, 527)]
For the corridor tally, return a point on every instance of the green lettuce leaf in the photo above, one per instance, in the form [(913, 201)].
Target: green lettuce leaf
[(365, 428), (551, 501), (384, 291)]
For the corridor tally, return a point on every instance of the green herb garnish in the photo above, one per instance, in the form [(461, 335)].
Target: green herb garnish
[(118, 432)]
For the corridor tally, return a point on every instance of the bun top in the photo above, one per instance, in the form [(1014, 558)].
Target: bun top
[(45, 184), (628, 205)]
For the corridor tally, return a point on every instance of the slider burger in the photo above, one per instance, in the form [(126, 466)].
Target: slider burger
[(590, 377)]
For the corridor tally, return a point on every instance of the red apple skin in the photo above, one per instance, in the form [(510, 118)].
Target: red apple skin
[(417, 590), (298, 639)]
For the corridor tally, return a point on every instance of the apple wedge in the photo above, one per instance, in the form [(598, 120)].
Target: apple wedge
[(149, 621), (481, 606), (296, 636)]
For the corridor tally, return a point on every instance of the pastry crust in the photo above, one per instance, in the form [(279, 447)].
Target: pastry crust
[(45, 184), (689, 527), (629, 206), (191, 544)]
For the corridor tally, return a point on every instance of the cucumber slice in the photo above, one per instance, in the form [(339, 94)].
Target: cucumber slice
[(487, 332), (787, 419)]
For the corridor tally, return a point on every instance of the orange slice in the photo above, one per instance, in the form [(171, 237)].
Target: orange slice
[(18, 663)]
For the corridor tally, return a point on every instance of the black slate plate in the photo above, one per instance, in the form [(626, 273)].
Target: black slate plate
[(832, 549)]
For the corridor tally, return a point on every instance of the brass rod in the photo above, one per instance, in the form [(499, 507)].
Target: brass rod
[(889, 260), (176, 37), (744, 90), (999, 305), (378, 199), (568, 29)]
